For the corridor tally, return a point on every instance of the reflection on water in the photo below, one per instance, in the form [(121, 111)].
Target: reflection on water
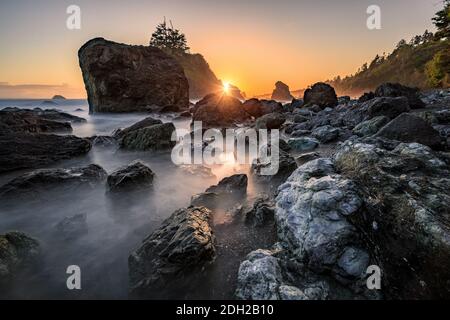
[(116, 224)]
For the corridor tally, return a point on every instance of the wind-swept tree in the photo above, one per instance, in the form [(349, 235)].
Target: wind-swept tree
[(442, 22), (167, 38)]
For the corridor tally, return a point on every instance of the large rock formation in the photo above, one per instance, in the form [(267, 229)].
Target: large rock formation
[(281, 92), (321, 94), (173, 255), (133, 177), (398, 90), (218, 110), (125, 78)]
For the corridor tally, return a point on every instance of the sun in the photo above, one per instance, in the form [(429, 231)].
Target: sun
[(226, 87)]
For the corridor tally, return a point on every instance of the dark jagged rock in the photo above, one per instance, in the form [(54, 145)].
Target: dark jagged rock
[(370, 127), (257, 108), (388, 107), (286, 165), (366, 97), (135, 176), (58, 97), (303, 144), (173, 255), (398, 90), (410, 128), (30, 121), (321, 94), (17, 252), (407, 196), (234, 185), (325, 133), (155, 137), (26, 150), (216, 110), (147, 122), (261, 213), (270, 121), (42, 180), (205, 199), (125, 78), (281, 92)]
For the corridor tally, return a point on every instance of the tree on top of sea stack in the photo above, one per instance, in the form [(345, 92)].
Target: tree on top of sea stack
[(169, 39)]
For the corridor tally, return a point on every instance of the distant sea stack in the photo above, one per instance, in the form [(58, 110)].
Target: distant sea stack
[(281, 92), (58, 97), (128, 78)]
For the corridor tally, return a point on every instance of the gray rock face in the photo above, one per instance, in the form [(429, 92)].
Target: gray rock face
[(155, 137), (303, 144), (370, 127), (135, 176), (312, 213), (410, 128), (321, 94), (40, 181), (407, 197), (22, 150), (398, 90), (125, 78), (17, 251), (325, 133), (257, 108), (173, 254), (270, 121), (388, 107), (147, 122), (281, 92)]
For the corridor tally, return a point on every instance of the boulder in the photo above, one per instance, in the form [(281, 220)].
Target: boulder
[(281, 92), (270, 121), (135, 176), (261, 213), (407, 196), (325, 133), (26, 150), (31, 122), (398, 90), (370, 127), (321, 94), (147, 122), (172, 255), (125, 78), (410, 128), (216, 110), (388, 107), (233, 185), (205, 199), (366, 97), (155, 137), (42, 180), (257, 108), (17, 252), (303, 143), (286, 165)]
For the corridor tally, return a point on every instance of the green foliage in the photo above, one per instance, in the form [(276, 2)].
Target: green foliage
[(169, 39), (438, 69)]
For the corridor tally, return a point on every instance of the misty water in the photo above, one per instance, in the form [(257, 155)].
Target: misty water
[(118, 224)]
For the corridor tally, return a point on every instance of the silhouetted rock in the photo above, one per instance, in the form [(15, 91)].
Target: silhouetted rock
[(366, 97), (58, 97), (398, 90), (321, 94), (125, 78), (281, 92), (234, 185), (386, 106), (257, 108), (270, 121)]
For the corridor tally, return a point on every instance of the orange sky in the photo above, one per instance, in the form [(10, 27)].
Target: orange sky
[(250, 43)]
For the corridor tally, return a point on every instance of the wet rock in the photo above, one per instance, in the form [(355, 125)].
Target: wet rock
[(42, 180), (206, 199), (173, 255), (366, 97), (233, 185), (307, 157), (261, 213), (303, 144), (398, 90), (147, 122), (281, 92), (270, 121), (410, 128), (103, 141), (321, 94), (406, 191), (73, 227), (216, 110), (257, 108), (370, 127), (17, 252), (135, 176), (125, 78), (388, 107), (325, 133), (22, 150), (155, 137), (261, 168)]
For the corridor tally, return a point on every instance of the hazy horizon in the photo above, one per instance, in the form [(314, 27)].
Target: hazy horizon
[(251, 44)]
